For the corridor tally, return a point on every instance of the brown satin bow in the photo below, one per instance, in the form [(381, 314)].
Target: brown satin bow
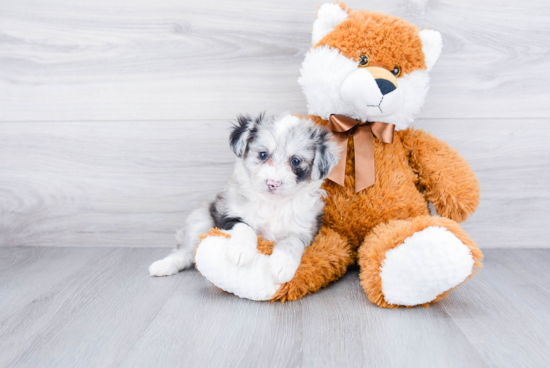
[(340, 125)]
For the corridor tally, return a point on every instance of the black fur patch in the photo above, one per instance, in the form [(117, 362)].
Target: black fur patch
[(323, 158), (239, 129), (237, 133), (323, 135), (254, 131), (252, 135), (322, 164), (260, 118), (301, 174), (222, 221), (319, 222)]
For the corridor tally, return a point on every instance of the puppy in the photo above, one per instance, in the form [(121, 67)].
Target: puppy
[(274, 191)]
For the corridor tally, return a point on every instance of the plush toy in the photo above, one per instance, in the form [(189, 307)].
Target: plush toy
[(366, 77)]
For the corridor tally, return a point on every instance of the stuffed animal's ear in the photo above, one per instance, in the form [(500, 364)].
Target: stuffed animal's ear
[(431, 46), (239, 134), (327, 154), (328, 17)]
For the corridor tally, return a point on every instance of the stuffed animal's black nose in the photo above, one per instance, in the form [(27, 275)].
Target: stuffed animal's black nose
[(385, 86)]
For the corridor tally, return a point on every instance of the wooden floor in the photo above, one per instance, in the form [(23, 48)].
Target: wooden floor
[(97, 307)]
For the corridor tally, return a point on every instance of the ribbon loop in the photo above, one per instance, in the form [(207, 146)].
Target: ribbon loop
[(341, 127)]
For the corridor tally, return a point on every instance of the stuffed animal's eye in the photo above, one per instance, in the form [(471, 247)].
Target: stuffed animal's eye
[(263, 155), (363, 60), (295, 161), (396, 71)]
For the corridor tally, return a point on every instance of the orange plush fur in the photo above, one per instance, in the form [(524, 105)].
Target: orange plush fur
[(387, 41)]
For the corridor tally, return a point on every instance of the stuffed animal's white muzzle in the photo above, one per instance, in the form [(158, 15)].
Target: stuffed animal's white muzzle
[(373, 91)]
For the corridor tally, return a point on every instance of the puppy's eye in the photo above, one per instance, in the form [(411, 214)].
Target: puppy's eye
[(396, 71), (295, 161), (363, 60), (263, 155)]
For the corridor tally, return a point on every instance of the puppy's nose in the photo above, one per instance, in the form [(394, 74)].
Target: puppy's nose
[(385, 86), (272, 184)]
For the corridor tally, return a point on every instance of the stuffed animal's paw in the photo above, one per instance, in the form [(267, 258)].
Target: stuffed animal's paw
[(242, 252), (282, 266), (252, 282)]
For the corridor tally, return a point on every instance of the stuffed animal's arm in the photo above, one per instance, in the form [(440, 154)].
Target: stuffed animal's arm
[(445, 177)]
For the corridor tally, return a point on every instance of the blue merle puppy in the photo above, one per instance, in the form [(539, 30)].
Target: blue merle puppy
[(274, 191)]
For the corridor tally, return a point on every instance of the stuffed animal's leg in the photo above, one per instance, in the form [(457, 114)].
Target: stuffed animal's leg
[(324, 261), (198, 223), (416, 261)]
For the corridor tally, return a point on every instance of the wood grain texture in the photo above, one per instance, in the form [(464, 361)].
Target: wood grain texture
[(106, 312), (28, 272), (113, 114), (170, 60), (510, 295), (511, 159), (131, 184), (102, 184)]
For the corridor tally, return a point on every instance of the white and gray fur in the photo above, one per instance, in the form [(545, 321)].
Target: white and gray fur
[(274, 191)]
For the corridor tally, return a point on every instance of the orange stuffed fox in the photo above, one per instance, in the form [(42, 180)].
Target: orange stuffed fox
[(366, 77)]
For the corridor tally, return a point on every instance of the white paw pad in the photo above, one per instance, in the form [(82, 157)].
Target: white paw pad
[(427, 264)]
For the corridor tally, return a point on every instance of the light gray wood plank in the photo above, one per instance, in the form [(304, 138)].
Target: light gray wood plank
[(343, 329), (217, 329), (110, 313), (104, 184), (156, 60), (33, 291), (132, 183), (29, 270), (91, 319), (511, 159), (505, 312)]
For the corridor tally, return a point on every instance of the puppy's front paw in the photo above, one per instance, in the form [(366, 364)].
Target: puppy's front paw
[(282, 266), (242, 252), (164, 267)]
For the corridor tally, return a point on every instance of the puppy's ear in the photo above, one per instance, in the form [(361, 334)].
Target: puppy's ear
[(327, 154), (239, 134)]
